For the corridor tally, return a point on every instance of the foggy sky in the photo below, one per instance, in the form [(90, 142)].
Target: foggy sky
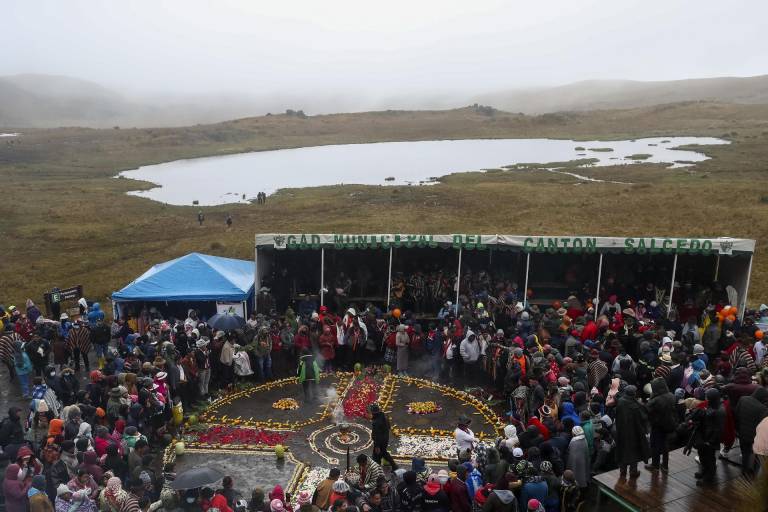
[(378, 49)]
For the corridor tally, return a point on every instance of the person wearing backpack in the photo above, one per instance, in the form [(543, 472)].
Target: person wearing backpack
[(663, 420)]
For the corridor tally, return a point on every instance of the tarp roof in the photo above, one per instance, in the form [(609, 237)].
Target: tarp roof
[(194, 277)]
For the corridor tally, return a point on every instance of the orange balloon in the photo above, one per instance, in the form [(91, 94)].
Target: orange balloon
[(557, 305), (396, 313), (731, 318), (758, 335)]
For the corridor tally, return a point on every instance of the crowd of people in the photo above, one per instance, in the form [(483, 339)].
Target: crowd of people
[(585, 392)]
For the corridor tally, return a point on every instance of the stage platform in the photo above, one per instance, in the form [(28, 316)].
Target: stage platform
[(674, 491)]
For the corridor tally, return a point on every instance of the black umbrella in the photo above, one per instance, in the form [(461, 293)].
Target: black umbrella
[(226, 322), (197, 477)]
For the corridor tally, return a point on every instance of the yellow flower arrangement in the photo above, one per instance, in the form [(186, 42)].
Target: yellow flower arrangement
[(286, 404), (423, 407)]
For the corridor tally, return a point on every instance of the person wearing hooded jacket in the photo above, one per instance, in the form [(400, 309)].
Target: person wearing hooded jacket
[(434, 499), (501, 498), (12, 431), (15, 488), (631, 428), (707, 432), (663, 420), (749, 412)]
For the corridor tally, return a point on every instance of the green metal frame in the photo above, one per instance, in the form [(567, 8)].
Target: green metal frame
[(603, 489)]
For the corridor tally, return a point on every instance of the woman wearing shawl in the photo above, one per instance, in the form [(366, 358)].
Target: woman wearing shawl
[(113, 496), (84, 482), (68, 501), (117, 435), (569, 411), (693, 375), (578, 457)]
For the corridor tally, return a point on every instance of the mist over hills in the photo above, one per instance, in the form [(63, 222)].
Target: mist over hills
[(42, 101)]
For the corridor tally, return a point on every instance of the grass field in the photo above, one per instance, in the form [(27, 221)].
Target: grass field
[(65, 220)]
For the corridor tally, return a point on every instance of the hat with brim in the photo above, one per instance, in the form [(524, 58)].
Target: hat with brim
[(464, 420)]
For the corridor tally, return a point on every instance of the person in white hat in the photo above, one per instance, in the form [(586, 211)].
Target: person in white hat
[(203, 361)]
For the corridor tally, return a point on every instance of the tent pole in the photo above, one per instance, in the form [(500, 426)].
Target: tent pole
[(389, 280), (746, 289), (458, 283), (527, 268), (322, 276), (717, 268), (599, 278), (255, 279), (672, 286)]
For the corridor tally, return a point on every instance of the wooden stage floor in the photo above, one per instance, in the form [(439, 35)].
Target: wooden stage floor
[(674, 491)]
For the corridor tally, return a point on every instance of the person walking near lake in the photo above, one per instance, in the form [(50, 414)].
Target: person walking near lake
[(200, 217), (229, 221)]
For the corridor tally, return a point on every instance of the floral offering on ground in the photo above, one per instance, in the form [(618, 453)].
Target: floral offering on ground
[(423, 407), (360, 395), (221, 435), (286, 404), (426, 447)]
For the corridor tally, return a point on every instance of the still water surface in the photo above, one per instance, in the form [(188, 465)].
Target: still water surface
[(238, 178)]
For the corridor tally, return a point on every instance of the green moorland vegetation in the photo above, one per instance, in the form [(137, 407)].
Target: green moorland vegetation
[(65, 220)]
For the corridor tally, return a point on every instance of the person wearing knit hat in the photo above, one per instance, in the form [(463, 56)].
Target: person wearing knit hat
[(534, 505), (304, 497)]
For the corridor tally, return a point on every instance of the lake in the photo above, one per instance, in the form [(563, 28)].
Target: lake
[(238, 178)]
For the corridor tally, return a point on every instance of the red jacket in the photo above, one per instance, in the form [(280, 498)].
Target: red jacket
[(589, 332), (219, 501), (458, 495), (327, 344)]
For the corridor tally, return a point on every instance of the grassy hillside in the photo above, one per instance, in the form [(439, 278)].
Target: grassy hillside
[(46, 101), (65, 220), (612, 94)]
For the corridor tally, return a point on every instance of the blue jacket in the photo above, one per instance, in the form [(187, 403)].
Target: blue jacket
[(474, 482), (23, 363), (537, 489), (95, 315)]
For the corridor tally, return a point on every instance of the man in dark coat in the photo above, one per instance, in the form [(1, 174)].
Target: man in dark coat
[(663, 419), (380, 436), (12, 433), (708, 429), (631, 428), (749, 412)]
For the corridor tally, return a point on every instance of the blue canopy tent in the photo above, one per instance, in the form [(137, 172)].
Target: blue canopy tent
[(194, 278)]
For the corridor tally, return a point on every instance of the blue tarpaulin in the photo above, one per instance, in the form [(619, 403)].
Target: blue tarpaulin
[(194, 277)]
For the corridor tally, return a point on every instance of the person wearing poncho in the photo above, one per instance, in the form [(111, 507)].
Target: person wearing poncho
[(309, 375), (578, 457)]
